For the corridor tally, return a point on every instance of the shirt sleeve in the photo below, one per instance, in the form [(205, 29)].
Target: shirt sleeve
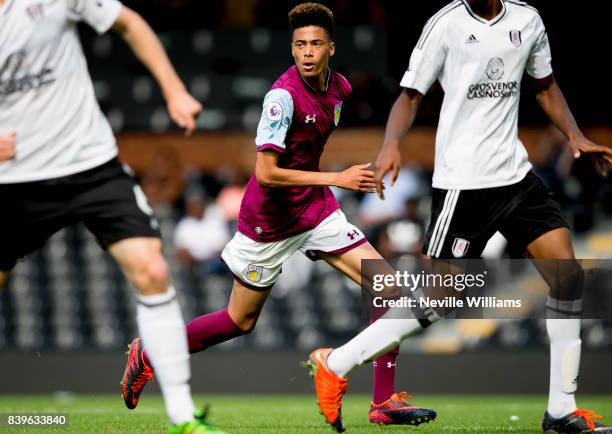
[(99, 14), (427, 58), (539, 64), (275, 121)]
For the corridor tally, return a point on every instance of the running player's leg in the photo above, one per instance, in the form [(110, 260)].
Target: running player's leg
[(381, 336), (460, 226), (114, 208), (539, 228), (160, 321), (349, 264), (255, 267), (554, 244), (343, 246), (387, 407), (563, 332), (239, 318)]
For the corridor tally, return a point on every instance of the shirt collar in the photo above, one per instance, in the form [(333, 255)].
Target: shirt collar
[(317, 90), (477, 17)]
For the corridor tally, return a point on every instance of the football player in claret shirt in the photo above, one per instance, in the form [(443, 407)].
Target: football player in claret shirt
[(288, 206), (483, 183)]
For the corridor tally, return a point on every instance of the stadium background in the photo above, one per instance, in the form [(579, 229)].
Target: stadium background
[(68, 311)]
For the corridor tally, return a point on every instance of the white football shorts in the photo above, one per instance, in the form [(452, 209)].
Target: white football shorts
[(257, 264)]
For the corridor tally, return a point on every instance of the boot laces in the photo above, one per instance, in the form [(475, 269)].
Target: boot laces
[(588, 416), (403, 396)]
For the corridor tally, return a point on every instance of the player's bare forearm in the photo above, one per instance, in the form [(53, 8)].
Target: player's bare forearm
[(268, 174), (553, 103), (400, 120), (401, 117), (279, 177), (182, 107), (148, 48)]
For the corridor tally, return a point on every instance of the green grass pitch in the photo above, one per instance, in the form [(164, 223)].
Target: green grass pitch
[(254, 414)]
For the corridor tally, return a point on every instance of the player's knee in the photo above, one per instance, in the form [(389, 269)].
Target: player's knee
[(151, 276), (568, 280)]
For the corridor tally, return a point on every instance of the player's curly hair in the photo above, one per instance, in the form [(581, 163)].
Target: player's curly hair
[(312, 14)]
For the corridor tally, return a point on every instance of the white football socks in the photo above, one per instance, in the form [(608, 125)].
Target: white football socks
[(375, 340), (164, 338), (564, 335)]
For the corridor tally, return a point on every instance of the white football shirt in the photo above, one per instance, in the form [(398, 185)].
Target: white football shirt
[(479, 64), (46, 93)]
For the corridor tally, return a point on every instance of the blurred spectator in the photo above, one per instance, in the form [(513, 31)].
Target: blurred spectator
[(394, 224), (399, 238), (201, 235), (230, 196), (575, 183), (401, 199)]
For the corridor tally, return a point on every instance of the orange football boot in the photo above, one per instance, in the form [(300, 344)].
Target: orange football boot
[(330, 388)]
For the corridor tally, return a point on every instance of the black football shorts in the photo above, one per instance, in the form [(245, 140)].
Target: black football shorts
[(462, 221), (106, 199)]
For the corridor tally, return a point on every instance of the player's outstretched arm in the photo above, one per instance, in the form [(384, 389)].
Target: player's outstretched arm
[(7, 146), (552, 101), (268, 174), (400, 120), (182, 107)]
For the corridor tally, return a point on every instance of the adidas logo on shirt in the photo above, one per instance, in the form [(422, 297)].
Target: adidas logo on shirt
[(471, 40)]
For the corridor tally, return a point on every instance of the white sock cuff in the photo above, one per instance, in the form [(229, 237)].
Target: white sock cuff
[(157, 299)]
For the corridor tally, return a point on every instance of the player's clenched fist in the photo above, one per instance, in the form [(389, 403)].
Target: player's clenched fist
[(7, 146), (184, 109), (357, 178)]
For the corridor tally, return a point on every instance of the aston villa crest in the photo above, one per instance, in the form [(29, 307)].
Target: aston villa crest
[(254, 272), (337, 110), (515, 38), (36, 11)]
